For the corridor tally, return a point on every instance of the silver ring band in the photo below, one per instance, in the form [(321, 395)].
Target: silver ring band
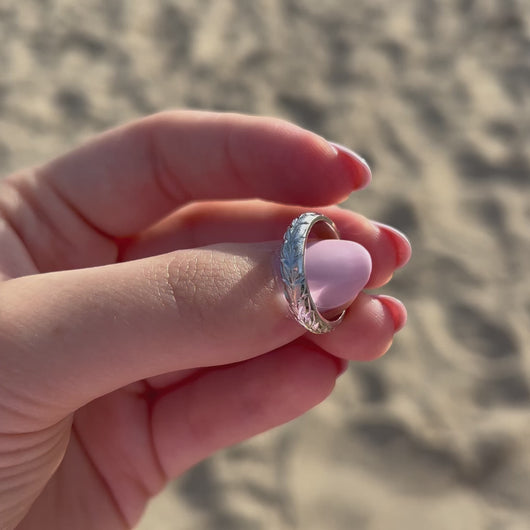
[(292, 269)]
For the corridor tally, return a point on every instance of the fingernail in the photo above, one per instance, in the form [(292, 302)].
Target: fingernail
[(397, 310), (356, 164), (336, 272), (401, 243)]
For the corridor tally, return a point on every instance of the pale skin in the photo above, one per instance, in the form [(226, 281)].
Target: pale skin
[(141, 324)]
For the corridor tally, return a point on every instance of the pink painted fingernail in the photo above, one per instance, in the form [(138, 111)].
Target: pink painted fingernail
[(397, 310), (336, 272), (401, 243), (356, 164)]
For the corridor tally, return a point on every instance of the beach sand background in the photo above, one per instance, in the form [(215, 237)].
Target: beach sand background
[(436, 95)]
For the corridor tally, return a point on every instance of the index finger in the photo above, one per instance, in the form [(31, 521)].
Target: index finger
[(126, 179)]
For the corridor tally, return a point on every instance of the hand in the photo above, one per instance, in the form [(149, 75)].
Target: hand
[(141, 330)]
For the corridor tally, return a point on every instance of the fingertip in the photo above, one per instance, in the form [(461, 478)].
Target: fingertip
[(364, 334), (400, 241), (396, 309), (355, 164)]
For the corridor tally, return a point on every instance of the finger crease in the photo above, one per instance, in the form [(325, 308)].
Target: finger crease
[(71, 207), (151, 397), (171, 188), (101, 477), (233, 166), (10, 225)]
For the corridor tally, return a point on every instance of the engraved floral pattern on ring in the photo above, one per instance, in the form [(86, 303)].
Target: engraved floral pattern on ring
[(292, 269)]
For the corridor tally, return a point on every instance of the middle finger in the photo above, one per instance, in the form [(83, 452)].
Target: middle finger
[(207, 223)]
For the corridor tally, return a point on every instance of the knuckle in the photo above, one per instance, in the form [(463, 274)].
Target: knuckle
[(197, 281), (219, 293)]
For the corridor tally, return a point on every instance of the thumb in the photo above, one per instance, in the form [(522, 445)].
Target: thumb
[(69, 337)]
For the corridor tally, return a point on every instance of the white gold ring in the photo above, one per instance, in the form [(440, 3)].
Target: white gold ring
[(292, 269)]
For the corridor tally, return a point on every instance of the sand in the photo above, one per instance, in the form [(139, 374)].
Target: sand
[(436, 95)]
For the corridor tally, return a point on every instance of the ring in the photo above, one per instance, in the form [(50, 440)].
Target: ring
[(292, 269)]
